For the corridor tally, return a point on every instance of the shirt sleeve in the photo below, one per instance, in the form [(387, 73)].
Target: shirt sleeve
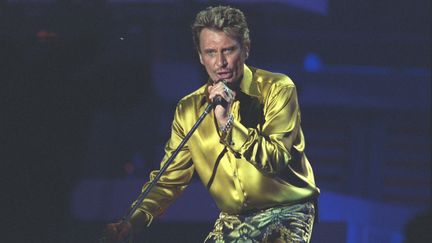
[(269, 146), (172, 183)]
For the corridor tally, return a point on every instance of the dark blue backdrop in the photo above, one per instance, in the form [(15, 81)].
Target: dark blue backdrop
[(90, 88)]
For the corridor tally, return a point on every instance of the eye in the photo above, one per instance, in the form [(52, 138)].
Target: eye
[(229, 50), (210, 53)]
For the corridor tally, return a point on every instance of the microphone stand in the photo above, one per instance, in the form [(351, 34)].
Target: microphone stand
[(145, 193)]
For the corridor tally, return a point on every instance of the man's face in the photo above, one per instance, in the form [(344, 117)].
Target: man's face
[(222, 56)]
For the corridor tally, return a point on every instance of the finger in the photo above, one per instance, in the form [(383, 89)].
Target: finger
[(217, 91), (227, 93), (221, 94), (222, 90)]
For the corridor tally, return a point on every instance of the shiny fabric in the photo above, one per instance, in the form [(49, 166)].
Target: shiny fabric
[(277, 224), (259, 164)]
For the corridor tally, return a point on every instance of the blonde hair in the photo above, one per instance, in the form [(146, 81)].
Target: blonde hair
[(222, 18)]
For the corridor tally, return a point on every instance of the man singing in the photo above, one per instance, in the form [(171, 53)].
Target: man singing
[(248, 152)]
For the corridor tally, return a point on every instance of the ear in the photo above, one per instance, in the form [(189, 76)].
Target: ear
[(200, 57), (246, 51)]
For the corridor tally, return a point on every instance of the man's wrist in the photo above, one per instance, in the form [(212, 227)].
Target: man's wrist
[(227, 126)]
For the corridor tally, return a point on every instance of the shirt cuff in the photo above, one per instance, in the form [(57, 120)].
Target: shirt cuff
[(141, 219)]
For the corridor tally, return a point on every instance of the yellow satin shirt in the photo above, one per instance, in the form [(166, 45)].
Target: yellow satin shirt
[(260, 164)]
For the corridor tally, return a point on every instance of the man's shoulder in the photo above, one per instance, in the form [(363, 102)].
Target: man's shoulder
[(193, 97), (271, 77)]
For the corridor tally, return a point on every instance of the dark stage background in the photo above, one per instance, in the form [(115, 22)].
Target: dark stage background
[(89, 89)]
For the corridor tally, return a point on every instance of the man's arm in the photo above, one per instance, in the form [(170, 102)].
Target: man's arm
[(169, 187), (270, 148), (174, 180)]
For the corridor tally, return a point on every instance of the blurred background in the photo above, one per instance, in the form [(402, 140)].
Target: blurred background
[(90, 87)]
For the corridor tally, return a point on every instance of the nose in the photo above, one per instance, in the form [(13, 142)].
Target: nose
[(221, 60)]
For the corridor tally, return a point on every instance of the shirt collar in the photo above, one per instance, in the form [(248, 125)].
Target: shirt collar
[(247, 84)]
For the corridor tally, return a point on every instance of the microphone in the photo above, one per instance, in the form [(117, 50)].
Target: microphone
[(218, 100)]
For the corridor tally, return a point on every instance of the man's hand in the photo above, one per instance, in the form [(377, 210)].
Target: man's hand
[(223, 110), (118, 232)]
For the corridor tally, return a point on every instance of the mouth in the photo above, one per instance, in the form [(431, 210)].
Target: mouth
[(224, 74)]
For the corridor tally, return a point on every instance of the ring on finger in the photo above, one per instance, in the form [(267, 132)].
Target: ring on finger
[(226, 90)]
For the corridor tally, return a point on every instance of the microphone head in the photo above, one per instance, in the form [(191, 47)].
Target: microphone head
[(218, 101)]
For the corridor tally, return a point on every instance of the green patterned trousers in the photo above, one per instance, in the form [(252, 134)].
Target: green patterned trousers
[(277, 224)]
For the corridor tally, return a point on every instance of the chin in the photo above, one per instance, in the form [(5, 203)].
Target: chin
[(230, 79)]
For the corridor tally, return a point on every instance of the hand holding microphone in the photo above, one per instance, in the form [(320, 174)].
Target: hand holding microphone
[(120, 232), (222, 97), (220, 93)]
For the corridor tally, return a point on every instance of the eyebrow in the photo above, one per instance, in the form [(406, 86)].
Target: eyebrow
[(209, 50), (233, 47)]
